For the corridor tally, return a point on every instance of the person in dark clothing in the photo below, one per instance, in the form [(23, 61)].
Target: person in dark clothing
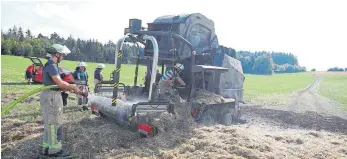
[(158, 77), (98, 75)]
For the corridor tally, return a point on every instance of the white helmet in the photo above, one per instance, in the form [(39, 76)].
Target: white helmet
[(82, 64), (58, 48), (100, 65), (48, 55), (179, 66)]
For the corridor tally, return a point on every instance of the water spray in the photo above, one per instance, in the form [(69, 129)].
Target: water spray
[(10, 105)]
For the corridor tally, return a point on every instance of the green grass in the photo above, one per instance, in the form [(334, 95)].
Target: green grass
[(13, 70), (334, 86), (258, 85)]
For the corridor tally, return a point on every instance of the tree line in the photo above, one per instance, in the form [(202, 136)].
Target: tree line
[(15, 41), (336, 69), (269, 62)]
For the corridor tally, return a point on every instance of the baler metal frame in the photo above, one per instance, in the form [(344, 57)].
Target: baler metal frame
[(226, 111)]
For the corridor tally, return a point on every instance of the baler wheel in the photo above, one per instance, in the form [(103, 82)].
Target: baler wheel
[(208, 117), (227, 119)]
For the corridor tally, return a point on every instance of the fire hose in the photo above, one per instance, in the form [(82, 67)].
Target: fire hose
[(9, 106)]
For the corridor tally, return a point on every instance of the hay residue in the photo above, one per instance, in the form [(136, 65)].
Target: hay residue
[(180, 137), (203, 96)]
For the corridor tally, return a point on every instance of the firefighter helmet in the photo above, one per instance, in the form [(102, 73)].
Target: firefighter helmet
[(100, 65), (82, 64), (58, 48)]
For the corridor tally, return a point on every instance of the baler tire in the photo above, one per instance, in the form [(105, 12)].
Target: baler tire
[(102, 115), (207, 117), (134, 124), (79, 101), (237, 115), (227, 119)]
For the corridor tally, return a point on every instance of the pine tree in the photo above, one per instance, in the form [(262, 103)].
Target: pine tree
[(40, 36), (28, 34), (20, 34)]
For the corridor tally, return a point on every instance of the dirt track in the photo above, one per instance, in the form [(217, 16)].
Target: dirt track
[(309, 127), (310, 100)]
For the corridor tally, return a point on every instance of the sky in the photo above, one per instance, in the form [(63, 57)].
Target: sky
[(313, 30)]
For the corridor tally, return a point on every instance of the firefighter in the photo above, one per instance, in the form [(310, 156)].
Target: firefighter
[(51, 103), (98, 75), (81, 77), (166, 82)]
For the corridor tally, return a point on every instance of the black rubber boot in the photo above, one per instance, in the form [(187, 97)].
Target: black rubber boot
[(62, 153), (84, 108), (242, 121)]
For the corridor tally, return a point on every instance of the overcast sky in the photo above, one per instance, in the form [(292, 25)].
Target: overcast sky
[(313, 30)]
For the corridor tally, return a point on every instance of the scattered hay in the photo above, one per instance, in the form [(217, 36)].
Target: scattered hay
[(314, 134), (203, 96), (14, 131), (179, 138)]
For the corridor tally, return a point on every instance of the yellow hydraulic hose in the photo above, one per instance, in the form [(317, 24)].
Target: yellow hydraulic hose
[(13, 103)]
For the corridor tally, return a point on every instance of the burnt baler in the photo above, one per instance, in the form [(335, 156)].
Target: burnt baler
[(190, 39), (187, 39)]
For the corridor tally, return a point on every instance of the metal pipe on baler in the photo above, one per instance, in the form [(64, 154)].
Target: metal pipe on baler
[(137, 64), (116, 72), (121, 41), (154, 63)]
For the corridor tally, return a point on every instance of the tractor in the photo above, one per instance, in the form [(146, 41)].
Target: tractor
[(188, 39)]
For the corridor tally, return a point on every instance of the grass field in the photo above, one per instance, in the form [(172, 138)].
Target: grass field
[(334, 86), (273, 88), (258, 85), (13, 69)]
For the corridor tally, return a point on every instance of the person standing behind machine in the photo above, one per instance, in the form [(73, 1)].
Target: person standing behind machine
[(98, 75), (158, 77), (51, 103), (81, 77)]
